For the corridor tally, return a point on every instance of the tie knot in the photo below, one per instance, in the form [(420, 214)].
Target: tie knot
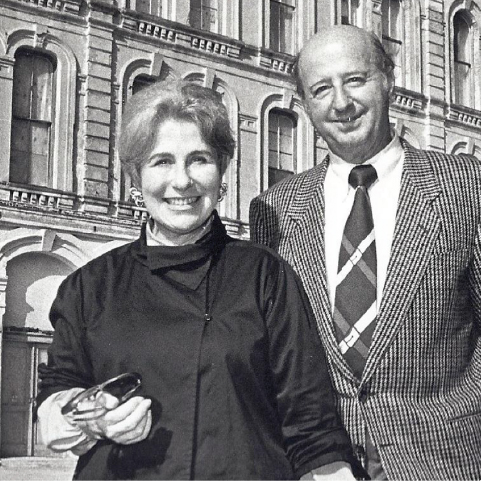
[(363, 176)]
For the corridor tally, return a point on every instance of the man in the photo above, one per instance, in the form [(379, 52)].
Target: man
[(398, 308)]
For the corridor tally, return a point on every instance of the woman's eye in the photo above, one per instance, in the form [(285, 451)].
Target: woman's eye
[(201, 159), (160, 161)]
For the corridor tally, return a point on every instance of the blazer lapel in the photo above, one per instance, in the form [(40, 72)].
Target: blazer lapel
[(416, 231), (306, 252)]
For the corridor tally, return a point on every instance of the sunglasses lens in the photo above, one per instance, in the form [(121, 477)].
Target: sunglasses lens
[(123, 386)]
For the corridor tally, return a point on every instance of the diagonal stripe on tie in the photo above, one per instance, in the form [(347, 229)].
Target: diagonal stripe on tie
[(353, 338), (356, 256), (355, 307)]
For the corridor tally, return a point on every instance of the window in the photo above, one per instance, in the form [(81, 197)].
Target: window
[(142, 81), (349, 12), (282, 148), (462, 60), (204, 15), (392, 32), (153, 7), (281, 25), (32, 119)]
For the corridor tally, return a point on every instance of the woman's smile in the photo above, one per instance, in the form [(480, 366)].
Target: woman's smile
[(181, 201)]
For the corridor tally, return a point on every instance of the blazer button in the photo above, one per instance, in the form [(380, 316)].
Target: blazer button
[(359, 451), (363, 395)]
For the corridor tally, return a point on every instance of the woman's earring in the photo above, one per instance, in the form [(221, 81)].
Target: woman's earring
[(222, 192), (136, 196)]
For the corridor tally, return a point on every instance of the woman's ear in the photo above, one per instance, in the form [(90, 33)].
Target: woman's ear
[(223, 162)]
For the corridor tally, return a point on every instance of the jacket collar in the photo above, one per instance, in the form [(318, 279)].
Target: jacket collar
[(417, 228)]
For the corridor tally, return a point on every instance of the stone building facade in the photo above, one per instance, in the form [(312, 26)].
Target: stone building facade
[(66, 69)]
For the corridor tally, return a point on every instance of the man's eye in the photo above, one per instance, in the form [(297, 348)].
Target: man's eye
[(357, 80), (320, 90)]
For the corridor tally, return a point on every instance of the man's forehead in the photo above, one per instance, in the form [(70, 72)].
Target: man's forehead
[(349, 43), (336, 52)]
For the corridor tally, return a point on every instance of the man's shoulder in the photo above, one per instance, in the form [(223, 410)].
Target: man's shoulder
[(302, 183), (466, 162)]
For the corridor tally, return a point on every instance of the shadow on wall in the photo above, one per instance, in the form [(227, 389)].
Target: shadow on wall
[(33, 281)]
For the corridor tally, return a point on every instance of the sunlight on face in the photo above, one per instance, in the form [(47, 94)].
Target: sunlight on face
[(181, 180), (347, 96)]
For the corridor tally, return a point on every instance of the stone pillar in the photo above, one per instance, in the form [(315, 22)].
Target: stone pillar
[(6, 85), (433, 37)]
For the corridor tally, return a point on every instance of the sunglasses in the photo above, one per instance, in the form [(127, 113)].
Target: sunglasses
[(88, 404)]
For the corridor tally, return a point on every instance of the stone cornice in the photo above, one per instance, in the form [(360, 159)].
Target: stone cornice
[(45, 206), (409, 101), (465, 116)]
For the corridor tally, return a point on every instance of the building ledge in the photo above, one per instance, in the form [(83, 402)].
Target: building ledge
[(464, 115), (92, 214), (409, 101)]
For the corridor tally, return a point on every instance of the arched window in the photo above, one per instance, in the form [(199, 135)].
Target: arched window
[(392, 37), (462, 46), (281, 25), (204, 14), (281, 145), (32, 137), (349, 10)]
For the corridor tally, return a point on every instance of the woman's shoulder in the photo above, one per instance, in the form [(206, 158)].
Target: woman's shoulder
[(99, 268), (253, 253)]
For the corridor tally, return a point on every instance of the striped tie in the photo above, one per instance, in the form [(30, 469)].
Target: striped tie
[(355, 302)]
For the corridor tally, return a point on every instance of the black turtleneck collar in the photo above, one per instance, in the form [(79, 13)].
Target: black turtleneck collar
[(187, 265)]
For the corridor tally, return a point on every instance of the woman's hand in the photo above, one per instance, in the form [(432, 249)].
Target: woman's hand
[(126, 423)]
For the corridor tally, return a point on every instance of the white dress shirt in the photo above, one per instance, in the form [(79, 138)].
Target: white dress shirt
[(384, 195)]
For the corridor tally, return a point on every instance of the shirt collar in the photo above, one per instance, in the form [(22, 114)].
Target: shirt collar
[(384, 161)]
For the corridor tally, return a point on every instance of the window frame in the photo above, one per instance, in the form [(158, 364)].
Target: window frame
[(30, 177), (279, 172), (276, 39)]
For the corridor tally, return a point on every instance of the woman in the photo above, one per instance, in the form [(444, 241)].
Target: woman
[(234, 385)]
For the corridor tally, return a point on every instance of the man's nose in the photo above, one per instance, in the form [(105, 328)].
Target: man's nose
[(341, 99), (180, 177)]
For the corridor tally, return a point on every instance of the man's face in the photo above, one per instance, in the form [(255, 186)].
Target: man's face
[(346, 95)]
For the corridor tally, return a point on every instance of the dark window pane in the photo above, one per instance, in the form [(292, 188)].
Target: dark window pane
[(140, 82), (461, 39), (281, 139), (276, 175), (204, 14), (281, 35)]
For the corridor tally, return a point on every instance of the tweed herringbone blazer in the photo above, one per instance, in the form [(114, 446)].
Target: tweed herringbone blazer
[(420, 394)]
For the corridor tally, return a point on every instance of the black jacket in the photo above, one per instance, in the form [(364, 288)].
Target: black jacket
[(223, 337)]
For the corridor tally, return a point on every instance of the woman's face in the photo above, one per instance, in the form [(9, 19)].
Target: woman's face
[(181, 180)]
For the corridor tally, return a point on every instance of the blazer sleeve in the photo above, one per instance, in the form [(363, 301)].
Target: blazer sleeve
[(263, 222), (312, 430)]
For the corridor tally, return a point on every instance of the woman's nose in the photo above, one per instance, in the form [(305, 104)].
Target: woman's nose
[(180, 177)]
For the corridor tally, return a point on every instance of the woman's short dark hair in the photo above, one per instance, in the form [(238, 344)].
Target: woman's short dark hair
[(172, 100)]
